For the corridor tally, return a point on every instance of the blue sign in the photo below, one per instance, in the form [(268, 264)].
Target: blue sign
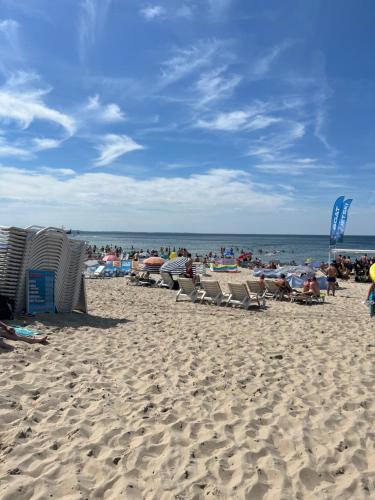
[(40, 289), (126, 265)]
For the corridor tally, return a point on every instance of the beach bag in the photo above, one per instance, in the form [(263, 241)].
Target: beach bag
[(6, 307)]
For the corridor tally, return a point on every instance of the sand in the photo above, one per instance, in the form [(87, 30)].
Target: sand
[(146, 398)]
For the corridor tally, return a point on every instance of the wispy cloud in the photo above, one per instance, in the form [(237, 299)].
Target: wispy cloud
[(216, 84), (263, 65), (186, 61), (57, 171), (92, 18), (10, 49), (107, 113), (152, 12), (270, 147), (159, 12), (44, 143), (238, 120), (22, 104), (28, 106), (113, 146), (13, 150), (292, 167)]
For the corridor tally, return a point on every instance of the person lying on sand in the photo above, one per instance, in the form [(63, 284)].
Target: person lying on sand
[(7, 332)]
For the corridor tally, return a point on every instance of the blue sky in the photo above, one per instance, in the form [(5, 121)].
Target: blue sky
[(194, 115)]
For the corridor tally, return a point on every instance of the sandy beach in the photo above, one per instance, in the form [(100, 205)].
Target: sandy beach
[(146, 398)]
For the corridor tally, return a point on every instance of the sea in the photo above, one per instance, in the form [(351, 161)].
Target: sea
[(268, 247)]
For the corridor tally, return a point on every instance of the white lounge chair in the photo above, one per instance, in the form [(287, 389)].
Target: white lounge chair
[(273, 291), (257, 292), (213, 293), (188, 290), (240, 295), (166, 281), (99, 272)]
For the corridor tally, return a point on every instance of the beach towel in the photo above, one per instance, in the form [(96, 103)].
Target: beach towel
[(26, 332)]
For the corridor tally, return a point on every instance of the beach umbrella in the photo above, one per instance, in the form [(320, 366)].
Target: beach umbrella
[(110, 258), (154, 261), (176, 266), (153, 264)]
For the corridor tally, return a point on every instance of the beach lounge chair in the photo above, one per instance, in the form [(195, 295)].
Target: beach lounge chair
[(240, 295), (273, 291), (166, 281), (188, 290), (99, 272), (257, 292), (307, 298), (213, 293)]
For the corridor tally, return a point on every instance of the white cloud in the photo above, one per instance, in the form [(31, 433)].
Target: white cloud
[(91, 21), (102, 199), (292, 167), (152, 12), (109, 113), (28, 106), (272, 146), (45, 143), (158, 12), (7, 150), (113, 146), (215, 85), (57, 171), (238, 120), (263, 65), (10, 49), (186, 61)]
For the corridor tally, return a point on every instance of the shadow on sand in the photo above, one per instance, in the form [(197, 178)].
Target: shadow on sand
[(74, 320)]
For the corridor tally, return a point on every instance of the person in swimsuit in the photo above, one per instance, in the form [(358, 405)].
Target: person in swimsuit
[(331, 279), (7, 332), (371, 299)]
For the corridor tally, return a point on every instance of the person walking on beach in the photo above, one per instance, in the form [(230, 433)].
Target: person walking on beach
[(331, 279), (371, 299)]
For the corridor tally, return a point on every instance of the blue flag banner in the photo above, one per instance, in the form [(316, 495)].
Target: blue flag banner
[(342, 222), (336, 216)]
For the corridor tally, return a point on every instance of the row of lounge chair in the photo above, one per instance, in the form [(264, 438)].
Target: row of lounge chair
[(240, 294)]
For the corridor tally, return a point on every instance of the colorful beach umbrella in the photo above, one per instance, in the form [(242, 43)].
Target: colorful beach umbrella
[(110, 258), (154, 261)]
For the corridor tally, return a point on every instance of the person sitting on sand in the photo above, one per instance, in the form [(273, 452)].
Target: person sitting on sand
[(331, 278), (7, 332)]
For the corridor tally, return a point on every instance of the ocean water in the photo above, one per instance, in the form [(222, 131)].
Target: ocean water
[(268, 247)]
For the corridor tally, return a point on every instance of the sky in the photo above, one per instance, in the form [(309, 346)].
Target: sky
[(238, 116)]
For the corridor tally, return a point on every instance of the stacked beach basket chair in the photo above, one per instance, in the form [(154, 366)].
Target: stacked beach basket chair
[(47, 249), (12, 252)]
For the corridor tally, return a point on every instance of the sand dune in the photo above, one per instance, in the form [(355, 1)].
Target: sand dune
[(146, 398)]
